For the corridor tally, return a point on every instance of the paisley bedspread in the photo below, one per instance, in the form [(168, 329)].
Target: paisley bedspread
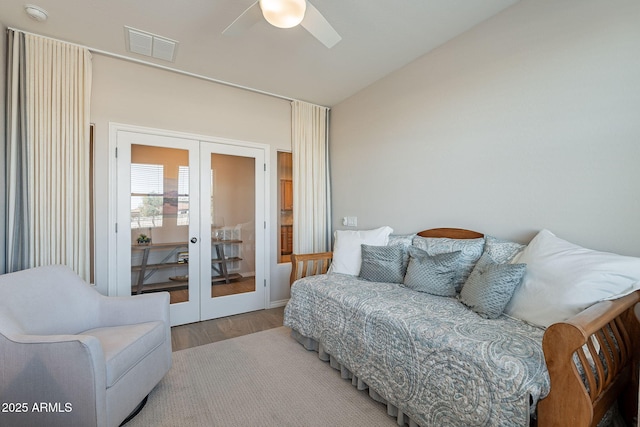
[(430, 356)]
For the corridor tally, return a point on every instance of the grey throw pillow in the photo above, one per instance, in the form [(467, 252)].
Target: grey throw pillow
[(435, 275), (471, 251), (490, 286), (383, 263), (403, 240)]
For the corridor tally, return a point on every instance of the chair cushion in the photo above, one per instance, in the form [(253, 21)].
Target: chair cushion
[(125, 346)]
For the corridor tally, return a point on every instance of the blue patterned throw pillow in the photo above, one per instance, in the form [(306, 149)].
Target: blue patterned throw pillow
[(435, 275), (490, 286), (383, 263), (471, 251), (404, 240)]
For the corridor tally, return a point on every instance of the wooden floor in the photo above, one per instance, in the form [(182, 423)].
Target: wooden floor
[(195, 334), (218, 289)]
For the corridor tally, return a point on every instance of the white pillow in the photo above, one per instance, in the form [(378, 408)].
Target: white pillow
[(562, 279), (347, 252)]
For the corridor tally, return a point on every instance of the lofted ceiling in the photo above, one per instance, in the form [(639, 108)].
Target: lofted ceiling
[(378, 37)]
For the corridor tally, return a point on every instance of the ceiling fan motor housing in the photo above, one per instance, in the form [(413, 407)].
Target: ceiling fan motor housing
[(283, 13)]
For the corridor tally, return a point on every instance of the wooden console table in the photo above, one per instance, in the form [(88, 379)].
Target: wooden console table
[(219, 264), (146, 270)]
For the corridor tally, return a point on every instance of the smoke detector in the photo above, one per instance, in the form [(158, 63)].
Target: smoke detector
[(36, 12)]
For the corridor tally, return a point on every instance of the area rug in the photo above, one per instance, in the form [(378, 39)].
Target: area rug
[(262, 379)]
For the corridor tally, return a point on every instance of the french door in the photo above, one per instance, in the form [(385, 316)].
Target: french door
[(233, 225), (191, 221)]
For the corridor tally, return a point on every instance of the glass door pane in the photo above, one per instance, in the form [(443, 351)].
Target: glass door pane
[(160, 221), (285, 202), (232, 206), (233, 223)]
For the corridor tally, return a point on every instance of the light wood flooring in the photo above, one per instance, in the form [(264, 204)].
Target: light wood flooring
[(200, 333), (218, 289)]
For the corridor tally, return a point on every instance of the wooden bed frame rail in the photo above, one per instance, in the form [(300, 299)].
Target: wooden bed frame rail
[(605, 338), (303, 265), (611, 366)]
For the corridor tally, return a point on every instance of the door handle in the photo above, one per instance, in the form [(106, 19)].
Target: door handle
[(194, 239)]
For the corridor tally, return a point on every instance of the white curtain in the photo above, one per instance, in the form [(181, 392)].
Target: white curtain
[(311, 191), (48, 168), (16, 253)]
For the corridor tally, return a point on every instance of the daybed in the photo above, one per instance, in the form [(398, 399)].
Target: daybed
[(435, 362)]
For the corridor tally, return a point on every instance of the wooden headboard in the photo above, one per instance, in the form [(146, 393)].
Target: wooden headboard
[(451, 233), (615, 326)]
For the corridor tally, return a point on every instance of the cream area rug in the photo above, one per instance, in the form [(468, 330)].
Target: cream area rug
[(262, 379)]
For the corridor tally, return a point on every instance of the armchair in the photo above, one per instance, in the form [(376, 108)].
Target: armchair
[(73, 357)]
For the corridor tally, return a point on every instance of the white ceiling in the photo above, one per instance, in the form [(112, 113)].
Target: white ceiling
[(378, 37)]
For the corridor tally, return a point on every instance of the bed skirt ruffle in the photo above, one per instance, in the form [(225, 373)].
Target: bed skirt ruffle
[(311, 344), (613, 417)]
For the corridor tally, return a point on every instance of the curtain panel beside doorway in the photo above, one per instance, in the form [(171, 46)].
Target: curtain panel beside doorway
[(311, 190), (47, 162)]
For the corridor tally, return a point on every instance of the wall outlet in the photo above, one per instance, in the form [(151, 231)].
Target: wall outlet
[(350, 221)]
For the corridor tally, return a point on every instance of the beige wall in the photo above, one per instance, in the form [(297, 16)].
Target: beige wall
[(530, 120), (134, 94)]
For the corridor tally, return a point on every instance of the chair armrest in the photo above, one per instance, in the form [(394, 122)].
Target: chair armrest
[(303, 265), (118, 311), (69, 369)]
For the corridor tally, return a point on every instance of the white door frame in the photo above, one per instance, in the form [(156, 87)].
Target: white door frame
[(121, 289)]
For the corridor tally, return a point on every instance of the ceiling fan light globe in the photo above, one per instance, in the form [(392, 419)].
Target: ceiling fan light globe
[(283, 13)]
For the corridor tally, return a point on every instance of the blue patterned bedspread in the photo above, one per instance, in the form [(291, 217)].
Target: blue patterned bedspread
[(430, 356)]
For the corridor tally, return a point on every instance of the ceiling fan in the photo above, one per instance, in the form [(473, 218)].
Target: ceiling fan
[(286, 14)]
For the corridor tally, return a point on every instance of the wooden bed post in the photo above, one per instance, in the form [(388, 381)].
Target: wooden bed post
[(553, 410), (631, 393), (569, 402)]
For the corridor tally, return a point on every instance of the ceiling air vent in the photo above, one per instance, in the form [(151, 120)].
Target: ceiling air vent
[(144, 43)]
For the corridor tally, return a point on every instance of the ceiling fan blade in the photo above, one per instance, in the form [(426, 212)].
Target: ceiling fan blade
[(319, 27), (246, 20)]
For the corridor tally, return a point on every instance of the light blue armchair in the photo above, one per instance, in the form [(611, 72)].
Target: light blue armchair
[(70, 356)]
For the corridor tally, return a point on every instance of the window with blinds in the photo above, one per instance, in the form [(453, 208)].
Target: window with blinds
[(183, 195), (147, 195)]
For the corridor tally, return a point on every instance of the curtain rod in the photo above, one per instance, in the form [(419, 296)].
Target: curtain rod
[(162, 67)]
